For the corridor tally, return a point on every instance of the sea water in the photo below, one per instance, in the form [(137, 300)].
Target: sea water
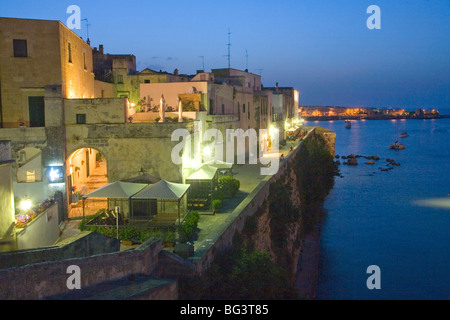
[(398, 220)]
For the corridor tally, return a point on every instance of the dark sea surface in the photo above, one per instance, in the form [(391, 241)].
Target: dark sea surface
[(398, 220)]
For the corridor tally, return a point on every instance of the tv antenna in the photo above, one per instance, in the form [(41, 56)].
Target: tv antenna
[(229, 49), (203, 62), (87, 27), (246, 60)]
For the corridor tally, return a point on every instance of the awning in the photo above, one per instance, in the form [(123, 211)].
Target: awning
[(163, 190), (205, 172), (144, 178), (116, 190)]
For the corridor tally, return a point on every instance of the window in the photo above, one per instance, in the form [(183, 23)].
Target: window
[(243, 108), (22, 157), (31, 176), (84, 60), (20, 48), (211, 106), (146, 81), (119, 78), (223, 109), (81, 118), (69, 47), (36, 108)]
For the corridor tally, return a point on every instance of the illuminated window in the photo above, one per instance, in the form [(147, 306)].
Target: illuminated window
[(31, 176), (20, 48)]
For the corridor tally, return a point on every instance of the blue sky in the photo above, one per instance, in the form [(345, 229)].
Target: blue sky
[(321, 47)]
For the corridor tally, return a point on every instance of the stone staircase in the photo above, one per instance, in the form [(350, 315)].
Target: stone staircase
[(98, 178)]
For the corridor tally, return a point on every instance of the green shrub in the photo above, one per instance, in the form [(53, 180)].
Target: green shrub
[(217, 204), (189, 226), (169, 236), (240, 275), (129, 234), (229, 186)]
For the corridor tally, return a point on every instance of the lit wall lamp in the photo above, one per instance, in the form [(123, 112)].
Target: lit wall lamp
[(55, 174), (25, 204)]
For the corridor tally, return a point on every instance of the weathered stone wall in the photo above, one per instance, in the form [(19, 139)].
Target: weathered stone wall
[(40, 68), (77, 74), (97, 111), (47, 63), (50, 278), (128, 147), (84, 244)]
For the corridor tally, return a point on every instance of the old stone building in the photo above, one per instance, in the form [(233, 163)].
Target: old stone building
[(70, 132), (34, 54), (58, 118)]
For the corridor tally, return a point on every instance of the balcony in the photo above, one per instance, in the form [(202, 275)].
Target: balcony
[(220, 118)]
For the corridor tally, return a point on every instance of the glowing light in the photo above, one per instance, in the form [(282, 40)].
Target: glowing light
[(25, 204), (273, 131), (132, 104), (55, 175)]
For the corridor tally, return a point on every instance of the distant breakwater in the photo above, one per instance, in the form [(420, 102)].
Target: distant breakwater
[(381, 117)]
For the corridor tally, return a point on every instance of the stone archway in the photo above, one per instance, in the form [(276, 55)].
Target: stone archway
[(86, 171)]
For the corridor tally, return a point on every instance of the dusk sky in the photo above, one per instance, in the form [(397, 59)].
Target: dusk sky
[(322, 48)]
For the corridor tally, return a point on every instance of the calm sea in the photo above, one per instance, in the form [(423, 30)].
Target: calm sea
[(398, 220)]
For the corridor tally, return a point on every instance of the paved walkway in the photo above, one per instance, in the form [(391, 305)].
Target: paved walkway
[(69, 229)]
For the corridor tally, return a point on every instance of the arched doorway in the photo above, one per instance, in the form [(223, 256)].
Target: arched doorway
[(86, 172)]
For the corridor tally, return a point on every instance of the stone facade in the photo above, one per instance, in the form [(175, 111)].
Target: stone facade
[(54, 55)]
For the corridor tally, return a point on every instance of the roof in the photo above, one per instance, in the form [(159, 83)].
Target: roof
[(145, 178), (117, 190), (219, 164), (163, 190), (205, 172)]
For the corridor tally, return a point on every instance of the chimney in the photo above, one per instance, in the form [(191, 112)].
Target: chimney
[(100, 48)]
